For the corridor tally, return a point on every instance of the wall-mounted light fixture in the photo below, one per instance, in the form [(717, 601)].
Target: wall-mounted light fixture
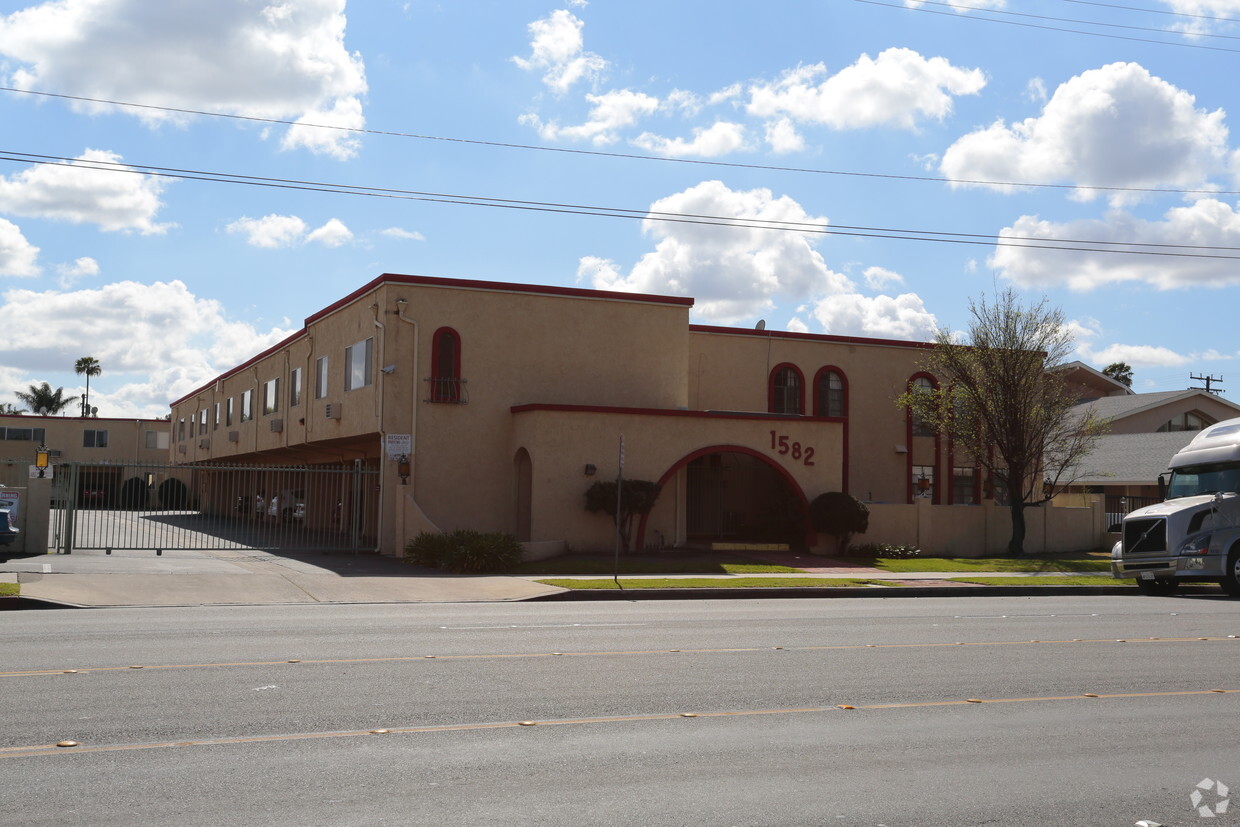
[(41, 455), (402, 469), (590, 470)]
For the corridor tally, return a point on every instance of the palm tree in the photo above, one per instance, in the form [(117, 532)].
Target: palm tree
[(8, 408), (43, 400), (88, 366)]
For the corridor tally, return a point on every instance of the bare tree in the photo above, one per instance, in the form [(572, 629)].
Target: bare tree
[(1000, 401)]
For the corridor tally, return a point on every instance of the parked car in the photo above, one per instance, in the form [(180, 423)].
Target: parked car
[(288, 506), (8, 527)]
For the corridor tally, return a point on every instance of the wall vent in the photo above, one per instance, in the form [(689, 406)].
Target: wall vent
[(332, 410), (204, 443), (234, 436), (277, 425), (181, 448)]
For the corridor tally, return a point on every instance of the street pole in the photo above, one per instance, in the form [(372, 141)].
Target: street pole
[(619, 500)]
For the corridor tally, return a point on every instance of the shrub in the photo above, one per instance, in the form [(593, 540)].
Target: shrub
[(636, 497), (465, 551), (173, 493), (840, 515), (884, 551), (133, 493)]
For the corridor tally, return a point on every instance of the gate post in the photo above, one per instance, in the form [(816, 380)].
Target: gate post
[(355, 520), (70, 510)]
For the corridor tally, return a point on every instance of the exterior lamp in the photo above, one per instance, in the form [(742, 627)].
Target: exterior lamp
[(402, 469), (1047, 488), (41, 455), (923, 484), (591, 469)]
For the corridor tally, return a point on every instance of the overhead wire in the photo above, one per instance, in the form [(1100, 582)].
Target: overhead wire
[(1074, 20), (889, 233)]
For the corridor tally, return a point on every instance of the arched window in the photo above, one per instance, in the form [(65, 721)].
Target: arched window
[(787, 391), (446, 366), (830, 393), (921, 384)]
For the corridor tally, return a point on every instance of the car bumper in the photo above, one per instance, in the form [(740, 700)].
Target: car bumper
[(1195, 567)]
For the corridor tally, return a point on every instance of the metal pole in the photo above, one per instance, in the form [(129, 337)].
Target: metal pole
[(619, 500), (70, 509)]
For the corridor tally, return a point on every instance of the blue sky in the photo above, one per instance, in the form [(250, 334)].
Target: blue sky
[(842, 123)]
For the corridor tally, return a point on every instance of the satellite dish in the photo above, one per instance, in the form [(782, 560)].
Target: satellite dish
[(94, 411), (42, 411), (761, 325)]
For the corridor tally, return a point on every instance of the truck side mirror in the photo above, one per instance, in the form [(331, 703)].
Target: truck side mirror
[(1162, 487)]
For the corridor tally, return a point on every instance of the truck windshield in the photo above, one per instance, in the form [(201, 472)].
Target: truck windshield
[(1193, 480)]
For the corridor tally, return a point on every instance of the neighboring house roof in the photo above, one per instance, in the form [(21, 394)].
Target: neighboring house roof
[(1118, 407), (1092, 376), (1131, 459)]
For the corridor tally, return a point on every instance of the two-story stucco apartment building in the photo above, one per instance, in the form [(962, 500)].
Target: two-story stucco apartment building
[(507, 401)]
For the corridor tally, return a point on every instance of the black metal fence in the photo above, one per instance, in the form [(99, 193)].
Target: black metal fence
[(206, 507)]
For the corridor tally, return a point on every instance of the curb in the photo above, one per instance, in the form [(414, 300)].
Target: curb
[(572, 595)]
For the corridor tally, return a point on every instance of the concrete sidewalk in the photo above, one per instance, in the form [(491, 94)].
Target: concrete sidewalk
[(247, 577)]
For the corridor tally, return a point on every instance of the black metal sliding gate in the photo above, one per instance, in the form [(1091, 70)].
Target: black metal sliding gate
[(207, 507)]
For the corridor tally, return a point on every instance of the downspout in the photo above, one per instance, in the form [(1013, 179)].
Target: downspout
[(379, 356), (413, 419)]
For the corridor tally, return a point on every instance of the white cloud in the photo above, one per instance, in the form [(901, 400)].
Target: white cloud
[(399, 232), (899, 317), (155, 341), (1117, 126), (735, 274), (1207, 222), (878, 278), (962, 6), (783, 137), (899, 88), (79, 269), (18, 257), (1139, 356), (270, 231), (718, 139), (1198, 13), (1035, 90), (557, 49), (332, 234), (209, 56), (611, 112), (74, 192)]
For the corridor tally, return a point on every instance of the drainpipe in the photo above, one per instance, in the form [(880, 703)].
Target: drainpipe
[(378, 356), (413, 421)]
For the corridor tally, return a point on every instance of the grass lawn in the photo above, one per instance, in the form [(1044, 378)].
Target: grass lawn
[(1066, 563), (665, 563), (10, 589), (1082, 580), (714, 583)]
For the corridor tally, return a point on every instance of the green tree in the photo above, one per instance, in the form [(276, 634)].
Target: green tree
[(999, 401), (44, 401), (9, 409), (87, 366), (1120, 372), (637, 497)]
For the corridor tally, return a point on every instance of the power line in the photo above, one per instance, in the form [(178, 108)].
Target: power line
[(1073, 20), (888, 233), (1154, 11), (980, 19), (629, 156)]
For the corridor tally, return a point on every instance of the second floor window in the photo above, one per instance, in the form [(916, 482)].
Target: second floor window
[(446, 366), (271, 396), (247, 405), (829, 395), (228, 413), (359, 360), (320, 377), (294, 387), (94, 439), (921, 427), (786, 392)]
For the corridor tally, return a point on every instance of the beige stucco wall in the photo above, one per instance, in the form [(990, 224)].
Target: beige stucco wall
[(561, 443), (984, 530), (1145, 422), (126, 439)]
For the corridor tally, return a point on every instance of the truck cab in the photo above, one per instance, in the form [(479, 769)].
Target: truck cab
[(1194, 534)]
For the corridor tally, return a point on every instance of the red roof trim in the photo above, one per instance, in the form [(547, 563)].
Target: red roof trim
[(606, 409), (809, 337), (277, 346)]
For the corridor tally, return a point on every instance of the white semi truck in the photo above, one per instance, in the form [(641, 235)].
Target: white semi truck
[(1194, 534)]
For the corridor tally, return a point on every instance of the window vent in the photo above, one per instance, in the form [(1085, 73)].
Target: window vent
[(277, 425), (204, 443), (332, 410), (234, 436)]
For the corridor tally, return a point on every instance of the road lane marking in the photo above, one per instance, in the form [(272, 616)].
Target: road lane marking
[(45, 750), (83, 670)]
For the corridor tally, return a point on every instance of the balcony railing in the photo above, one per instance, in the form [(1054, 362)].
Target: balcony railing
[(452, 391)]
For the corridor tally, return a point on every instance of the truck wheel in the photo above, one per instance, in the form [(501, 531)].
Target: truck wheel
[(1157, 586), (1231, 580)]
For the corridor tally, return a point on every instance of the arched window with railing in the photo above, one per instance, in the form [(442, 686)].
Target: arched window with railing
[(445, 377), (830, 393)]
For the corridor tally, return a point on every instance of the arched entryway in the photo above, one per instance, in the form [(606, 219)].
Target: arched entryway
[(523, 470), (737, 495)]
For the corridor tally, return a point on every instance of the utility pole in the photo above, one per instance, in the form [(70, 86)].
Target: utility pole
[(1208, 380)]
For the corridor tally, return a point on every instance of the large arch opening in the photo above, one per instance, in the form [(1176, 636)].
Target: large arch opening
[(734, 494), (523, 472)]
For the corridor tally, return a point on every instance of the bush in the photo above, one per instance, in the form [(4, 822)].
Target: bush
[(885, 551), (465, 551), (173, 494), (840, 515), (133, 494)]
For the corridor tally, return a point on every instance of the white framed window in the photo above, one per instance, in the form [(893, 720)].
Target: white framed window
[(294, 387), (157, 440), (359, 360), (94, 439), (247, 405), (228, 413), (202, 422), (216, 427)]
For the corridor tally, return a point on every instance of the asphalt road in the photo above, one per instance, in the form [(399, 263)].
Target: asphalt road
[(697, 712)]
